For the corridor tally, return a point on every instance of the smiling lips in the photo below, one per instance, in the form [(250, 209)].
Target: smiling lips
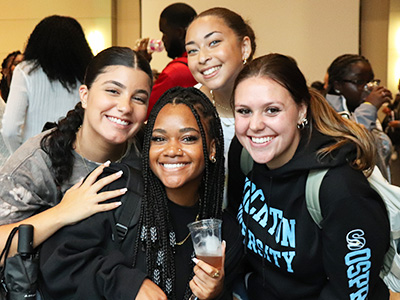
[(210, 70), (173, 166), (261, 140), (118, 121)]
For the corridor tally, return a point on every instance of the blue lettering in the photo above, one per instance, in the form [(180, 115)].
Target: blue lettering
[(288, 257), (276, 255), (288, 233), (252, 242), (263, 212), (356, 256), (277, 215), (360, 294)]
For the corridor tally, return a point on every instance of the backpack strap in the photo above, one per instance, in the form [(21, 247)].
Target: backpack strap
[(246, 161), (129, 211), (313, 184)]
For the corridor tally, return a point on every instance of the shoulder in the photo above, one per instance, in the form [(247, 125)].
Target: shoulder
[(29, 154), (347, 191)]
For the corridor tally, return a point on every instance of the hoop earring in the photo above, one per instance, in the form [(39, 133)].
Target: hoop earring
[(303, 124), (213, 159)]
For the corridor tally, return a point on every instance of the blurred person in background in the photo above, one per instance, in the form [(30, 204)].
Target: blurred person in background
[(45, 84)]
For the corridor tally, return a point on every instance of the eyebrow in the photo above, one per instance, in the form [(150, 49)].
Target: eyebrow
[(183, 130), (119, 84), (114, 82), (205, 37)]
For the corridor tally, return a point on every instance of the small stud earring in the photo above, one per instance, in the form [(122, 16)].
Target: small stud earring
[(213, 159)]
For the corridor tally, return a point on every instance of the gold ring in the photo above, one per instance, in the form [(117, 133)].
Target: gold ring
[(216, 275)]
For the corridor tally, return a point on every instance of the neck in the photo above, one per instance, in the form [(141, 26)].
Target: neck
[(221, 100), (183, 196), (92, 150)]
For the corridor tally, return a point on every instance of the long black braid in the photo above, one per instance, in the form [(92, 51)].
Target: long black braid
[(156, 232), (58, 144)]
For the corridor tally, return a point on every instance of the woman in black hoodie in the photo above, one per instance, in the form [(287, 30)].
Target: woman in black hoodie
[(289, 130)]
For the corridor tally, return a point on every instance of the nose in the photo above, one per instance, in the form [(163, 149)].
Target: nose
[(256, 123), (124, 104), (173, 149), (204, 56)]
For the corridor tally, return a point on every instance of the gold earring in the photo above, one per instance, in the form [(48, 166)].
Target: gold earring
[(213, 159), (245, 61)]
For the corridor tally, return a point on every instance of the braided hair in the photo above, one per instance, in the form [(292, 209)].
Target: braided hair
[(340, 68), (156, 232), (58, 144)]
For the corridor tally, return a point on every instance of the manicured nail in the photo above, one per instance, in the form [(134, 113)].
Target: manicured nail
[(117, 203), (195, 260), (123, 191), (119, 173), (107, 163)]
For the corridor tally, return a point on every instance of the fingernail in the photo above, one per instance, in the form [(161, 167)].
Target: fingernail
[(117, 203), (123, 191), (119, 173), (195, 260), (107, 163)]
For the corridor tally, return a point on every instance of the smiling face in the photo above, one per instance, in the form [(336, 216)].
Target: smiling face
[(176, 149), (115, 106), (215, 55), (266, 119)]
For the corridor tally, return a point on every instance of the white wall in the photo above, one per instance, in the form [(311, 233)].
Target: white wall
[(314, 32), (19, 18)]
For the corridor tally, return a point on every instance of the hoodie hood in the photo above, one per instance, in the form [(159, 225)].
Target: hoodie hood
[(306, 156)]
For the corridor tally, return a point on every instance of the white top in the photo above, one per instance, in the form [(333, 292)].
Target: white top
[(4, 154), (33, 101)]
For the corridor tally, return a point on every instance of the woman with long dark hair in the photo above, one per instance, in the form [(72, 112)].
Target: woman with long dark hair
[(183, 167), (41, 183), (45, 85)]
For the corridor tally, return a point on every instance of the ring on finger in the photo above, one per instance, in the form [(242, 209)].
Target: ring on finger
[(215, 275)]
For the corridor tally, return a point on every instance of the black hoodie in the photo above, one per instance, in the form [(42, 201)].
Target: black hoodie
[(290, 257)]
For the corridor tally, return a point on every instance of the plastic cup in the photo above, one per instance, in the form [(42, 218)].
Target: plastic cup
[(206, 238)]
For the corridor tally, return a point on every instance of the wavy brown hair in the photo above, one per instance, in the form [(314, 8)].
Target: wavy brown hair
[(322, 117)]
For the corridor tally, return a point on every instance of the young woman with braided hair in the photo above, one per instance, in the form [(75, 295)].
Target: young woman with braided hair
[(41, 183), (183, 167)]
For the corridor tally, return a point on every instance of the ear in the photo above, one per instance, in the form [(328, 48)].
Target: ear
[(181, 33), (246, 48), (83, 94), (213, 150), (302, 113), (337, 86)]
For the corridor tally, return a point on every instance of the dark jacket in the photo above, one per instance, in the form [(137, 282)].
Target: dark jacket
[(288, 255), (84, 261)]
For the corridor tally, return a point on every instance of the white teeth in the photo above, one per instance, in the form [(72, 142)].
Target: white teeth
[(118, 121), (261, 140), (211, 70), (172, 166)]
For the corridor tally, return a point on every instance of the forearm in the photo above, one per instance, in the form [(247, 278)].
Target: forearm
[(45, 224)]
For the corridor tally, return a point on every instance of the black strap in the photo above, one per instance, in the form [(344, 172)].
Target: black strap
[(4, 254), (121, 226), (130, 207)]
